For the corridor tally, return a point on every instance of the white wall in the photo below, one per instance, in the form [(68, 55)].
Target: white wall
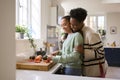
[(7, 40), (113, 19), (24, 46), (53, 16), (92, 6)]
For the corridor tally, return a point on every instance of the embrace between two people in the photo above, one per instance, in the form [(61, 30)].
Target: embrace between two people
[(82, 50)]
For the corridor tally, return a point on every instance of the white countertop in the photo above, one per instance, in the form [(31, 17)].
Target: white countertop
[(48, 75)]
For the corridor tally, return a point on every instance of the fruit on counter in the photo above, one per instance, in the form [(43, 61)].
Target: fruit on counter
[(38, 59), (45, 59), (32, 57)]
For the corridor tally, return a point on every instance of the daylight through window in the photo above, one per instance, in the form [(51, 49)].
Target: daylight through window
[(28, 14)]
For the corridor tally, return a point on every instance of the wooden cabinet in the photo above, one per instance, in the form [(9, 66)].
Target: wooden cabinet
[(113, 56)]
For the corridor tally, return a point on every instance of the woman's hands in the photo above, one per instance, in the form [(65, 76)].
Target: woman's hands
[(49, 57)]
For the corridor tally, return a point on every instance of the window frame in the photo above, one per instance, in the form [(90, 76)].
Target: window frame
[(28, 18), (87, 21)]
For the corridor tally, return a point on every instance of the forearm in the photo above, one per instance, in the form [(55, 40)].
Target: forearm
[(75, 56)]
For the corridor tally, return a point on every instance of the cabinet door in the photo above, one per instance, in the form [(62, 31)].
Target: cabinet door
[(112, 56)]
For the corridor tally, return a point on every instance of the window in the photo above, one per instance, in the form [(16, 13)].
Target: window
[(93, 22), (97, 23), (101, 22), (28, 14)]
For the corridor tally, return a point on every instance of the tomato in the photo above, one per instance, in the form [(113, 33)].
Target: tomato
[(38, 59)]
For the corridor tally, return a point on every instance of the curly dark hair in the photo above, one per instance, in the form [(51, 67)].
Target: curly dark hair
[(79, 14)]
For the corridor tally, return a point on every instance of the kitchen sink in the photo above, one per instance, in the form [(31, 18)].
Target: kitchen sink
[(59, 71)]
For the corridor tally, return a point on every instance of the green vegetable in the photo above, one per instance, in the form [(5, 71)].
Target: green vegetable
[(45, 57)]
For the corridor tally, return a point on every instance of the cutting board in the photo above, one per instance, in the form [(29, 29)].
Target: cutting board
[(42, 66)]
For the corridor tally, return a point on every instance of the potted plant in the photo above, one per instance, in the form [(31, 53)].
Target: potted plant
[(21, 30)]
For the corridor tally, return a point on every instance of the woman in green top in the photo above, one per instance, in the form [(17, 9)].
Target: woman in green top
[(68, 56)]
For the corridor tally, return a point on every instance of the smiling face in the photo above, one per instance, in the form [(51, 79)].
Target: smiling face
[(75, 25), (66, 26)]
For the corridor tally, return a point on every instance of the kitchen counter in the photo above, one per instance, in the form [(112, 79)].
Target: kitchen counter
[(48, 75)]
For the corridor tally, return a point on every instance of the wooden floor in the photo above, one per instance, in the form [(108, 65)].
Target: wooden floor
[(113, 72)]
